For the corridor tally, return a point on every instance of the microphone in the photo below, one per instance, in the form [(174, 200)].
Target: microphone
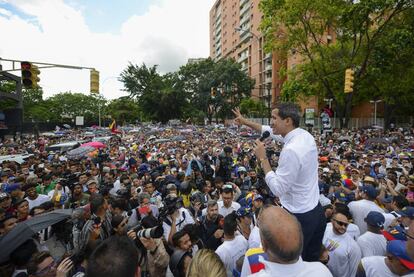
[(265, 135)]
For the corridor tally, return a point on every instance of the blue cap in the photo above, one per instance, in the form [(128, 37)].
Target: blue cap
[(375, 219), (244, 211), (396, 233), (370, 191), (398, 249), (258, 197), (341, 196), (407, 211)]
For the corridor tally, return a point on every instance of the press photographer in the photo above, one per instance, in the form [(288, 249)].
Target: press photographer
[(174, 217)]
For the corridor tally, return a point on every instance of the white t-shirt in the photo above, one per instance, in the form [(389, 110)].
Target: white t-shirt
[(183, 219), (254, 238), (352, 230), (372, 244), (375, 266), (344, 253), (41, 198), (360, 209), (223, 210), (298, 269), (230, 251)]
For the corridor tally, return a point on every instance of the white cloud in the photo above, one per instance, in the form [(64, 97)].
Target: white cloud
[(169, 33)]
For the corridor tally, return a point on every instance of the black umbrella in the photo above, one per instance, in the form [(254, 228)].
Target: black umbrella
[(27, 229), (79, 152), (377, 140)]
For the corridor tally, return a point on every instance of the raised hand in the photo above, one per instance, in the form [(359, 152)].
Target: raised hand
[(239, 117), (64, 267)]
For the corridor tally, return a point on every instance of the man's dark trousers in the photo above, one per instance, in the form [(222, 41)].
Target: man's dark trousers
[(313, 228)]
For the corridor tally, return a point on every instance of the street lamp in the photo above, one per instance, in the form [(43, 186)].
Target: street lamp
[(375, 102), (247, 31)]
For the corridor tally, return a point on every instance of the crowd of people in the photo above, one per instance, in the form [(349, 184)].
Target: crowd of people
[(212, 203)]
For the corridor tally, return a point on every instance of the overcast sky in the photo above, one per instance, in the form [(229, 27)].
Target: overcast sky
[(104, 34)]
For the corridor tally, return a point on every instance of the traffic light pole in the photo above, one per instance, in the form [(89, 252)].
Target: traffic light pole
[(46, 65)]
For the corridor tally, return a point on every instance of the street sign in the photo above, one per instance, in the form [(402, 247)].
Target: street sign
[(79, 121)]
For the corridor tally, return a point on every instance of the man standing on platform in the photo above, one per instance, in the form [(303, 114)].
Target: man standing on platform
[(295, 181)]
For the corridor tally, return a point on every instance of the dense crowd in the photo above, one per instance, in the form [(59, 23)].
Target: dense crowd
[(193, 201)]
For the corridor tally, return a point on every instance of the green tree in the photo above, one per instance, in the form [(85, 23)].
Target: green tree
[(123, 110), (159, 97), (253, 108), (357, 28), (230, 83), (70, 105)]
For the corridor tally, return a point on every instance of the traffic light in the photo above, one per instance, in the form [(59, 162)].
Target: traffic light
[(94, 81), (349, 81), (30, 72), (213, 92)]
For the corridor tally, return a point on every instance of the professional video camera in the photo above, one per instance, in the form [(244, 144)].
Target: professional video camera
[(171, 204)]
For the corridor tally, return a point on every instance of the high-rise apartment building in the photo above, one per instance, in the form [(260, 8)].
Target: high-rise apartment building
[(235, 33)]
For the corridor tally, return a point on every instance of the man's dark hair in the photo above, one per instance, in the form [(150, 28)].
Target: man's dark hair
[(291, 110), (343, 209), (400, 201), (230, 224), (116, 256), (177, 236), (96, 201)]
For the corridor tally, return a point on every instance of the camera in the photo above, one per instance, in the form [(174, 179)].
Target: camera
[(171, 204), (154, 232)]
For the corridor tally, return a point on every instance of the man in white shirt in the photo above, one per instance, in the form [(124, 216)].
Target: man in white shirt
[(344, 252), (295, 181), (233, 247), (176, 219), (360, 209), (396, 263), (33, 197), (373, 242), (282, 241), (226, 205)]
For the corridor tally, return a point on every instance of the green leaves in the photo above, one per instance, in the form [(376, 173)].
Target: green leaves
[(375, 37)]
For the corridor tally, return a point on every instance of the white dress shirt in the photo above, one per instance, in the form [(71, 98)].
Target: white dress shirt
[(298, 269), (295, 181)]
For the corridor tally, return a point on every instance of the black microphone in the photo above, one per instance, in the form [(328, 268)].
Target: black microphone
[(265, 135)]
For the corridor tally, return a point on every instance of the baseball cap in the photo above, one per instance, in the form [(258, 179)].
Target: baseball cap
[(370, 191), (375, 219), (341, 196), (396, 233), (4, 196), (397, 248), (407, 211), (241, 169), (258, 197), (244, 211)]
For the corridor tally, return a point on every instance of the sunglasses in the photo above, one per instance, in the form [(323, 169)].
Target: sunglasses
[(340, 223)]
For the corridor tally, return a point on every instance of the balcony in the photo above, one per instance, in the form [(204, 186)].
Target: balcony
[(245, 19), (268, 67), (245, 36), (242, 2), (268, 80), (268, 56), (244, 9), (244, 67), (244, 55)]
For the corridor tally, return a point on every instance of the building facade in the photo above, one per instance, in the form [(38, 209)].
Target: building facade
[(234, 33)]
